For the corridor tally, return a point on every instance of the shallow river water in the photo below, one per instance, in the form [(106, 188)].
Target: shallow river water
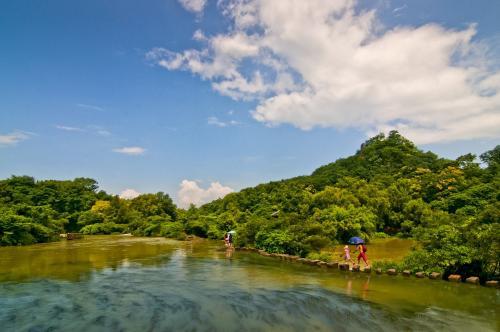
[(118, 283)]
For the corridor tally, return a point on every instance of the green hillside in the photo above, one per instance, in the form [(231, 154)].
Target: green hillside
[(387, 188)]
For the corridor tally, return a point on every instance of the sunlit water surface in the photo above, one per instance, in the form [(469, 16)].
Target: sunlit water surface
[(117, 283)]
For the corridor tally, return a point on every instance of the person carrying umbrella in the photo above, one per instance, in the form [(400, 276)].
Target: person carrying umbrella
[(361, 247), (230, 238)]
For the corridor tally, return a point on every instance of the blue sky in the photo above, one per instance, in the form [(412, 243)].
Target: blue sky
[(196, 98)]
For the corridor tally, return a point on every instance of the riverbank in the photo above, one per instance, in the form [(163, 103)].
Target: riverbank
[(344, 266)]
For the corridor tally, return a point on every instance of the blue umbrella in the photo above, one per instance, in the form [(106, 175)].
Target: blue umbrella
[(356, 240)]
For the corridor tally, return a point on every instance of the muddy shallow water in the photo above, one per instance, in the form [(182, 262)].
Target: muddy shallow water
[(117, 283)]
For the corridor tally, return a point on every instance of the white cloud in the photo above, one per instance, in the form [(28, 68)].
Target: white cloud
[(98, 130), (214, 121), (195, 6), (90, 107), (398, 9), (103, 132), (190, 193), (199, 35), (324, 63), (14, 138), (129, 194), (68, 128), (130, 150)]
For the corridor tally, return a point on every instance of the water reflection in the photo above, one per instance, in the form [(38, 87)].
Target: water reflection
[(116, 283), (229, 253), (74, 260)]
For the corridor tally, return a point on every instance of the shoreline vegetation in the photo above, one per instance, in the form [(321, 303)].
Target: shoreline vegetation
[(387, 188), (343, 266)]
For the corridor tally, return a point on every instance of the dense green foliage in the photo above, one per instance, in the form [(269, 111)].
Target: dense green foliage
[(389, 187), (38, 211)]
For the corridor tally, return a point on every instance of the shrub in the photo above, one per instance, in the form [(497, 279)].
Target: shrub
[(197, 227), (174, 230), (322, 256), (104, 228), (280, 242), (380, 235)]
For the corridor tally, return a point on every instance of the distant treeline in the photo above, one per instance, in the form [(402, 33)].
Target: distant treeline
[(389, 187), (38, 211)]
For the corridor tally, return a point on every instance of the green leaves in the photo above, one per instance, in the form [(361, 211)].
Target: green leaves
[(388, 187)]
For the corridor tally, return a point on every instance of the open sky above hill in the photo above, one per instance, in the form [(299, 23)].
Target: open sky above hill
[(197, 98)]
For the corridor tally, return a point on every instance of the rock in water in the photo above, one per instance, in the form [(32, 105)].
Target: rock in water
[(392, 272), (491, 283), (419, 274), (344, 266), (473, 280), (312, 261), (434, 275), (406, 273), (455, 277)]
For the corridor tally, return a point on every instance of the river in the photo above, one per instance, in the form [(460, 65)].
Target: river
[(119, 283)]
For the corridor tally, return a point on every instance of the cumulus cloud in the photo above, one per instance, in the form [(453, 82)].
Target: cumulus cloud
[(130, 150), (326, 63), (14, 138), (190, 193), (195, 6), (129, 194), (199, 35)]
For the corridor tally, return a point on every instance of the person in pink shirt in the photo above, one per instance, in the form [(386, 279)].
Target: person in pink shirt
[(347, 254)]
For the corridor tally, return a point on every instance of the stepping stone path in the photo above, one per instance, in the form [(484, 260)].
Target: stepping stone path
[(368, 269)]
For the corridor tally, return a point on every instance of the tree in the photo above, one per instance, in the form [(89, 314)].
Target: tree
[(154, 205)]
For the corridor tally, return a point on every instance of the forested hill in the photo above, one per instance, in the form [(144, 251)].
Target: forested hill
[(393, 156), (388, 187)]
